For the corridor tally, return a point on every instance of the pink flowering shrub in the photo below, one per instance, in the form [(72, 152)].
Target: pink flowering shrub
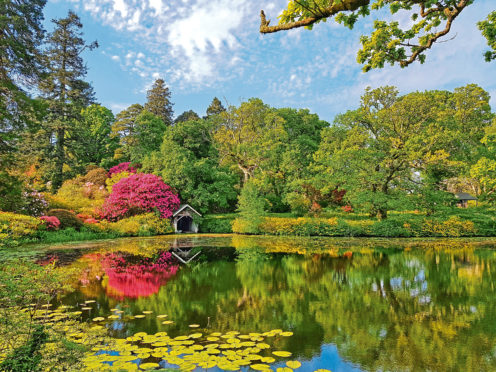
[(138, 194), (122, 167), (51, 222)]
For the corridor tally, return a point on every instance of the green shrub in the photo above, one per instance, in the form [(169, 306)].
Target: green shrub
[(66, 218), (251, 208), (216, 224)]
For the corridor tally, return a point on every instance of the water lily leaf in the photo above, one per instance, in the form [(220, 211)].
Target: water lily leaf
[(149, 365), (293, 364), (194, 325), (322, 370), (89, 301), (268, 360), (284, 369), (162, 316), (139, 316), (86, 308), (211, 338), (167, 322), (147, 312), (113, 316), (284, 354), (98, 319), (286, 334), (260, 367)]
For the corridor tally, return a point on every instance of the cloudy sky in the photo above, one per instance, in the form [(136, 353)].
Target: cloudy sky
[(207, 48)]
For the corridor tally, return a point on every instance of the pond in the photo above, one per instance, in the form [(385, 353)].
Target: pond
[(334, 304)]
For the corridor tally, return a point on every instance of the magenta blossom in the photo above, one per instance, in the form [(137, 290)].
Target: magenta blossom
[(122, 167), (51, 222), (138, 194)]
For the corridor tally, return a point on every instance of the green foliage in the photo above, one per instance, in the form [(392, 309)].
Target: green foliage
[(189, 115), (148, 133), (188, 162), (26, 358), (388, 42), (488, 28), (124, 128), (217, 224), (66, 218), (251, 208), (374, 152), (11, 192), (93, 141), (15, 228), (65, 91), (158, 102), (22, 34), (250, 137), (215, 107)]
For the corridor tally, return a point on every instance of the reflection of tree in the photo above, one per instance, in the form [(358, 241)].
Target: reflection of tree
[(428, 307)]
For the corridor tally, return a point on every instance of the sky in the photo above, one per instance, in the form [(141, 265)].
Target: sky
[(212, 48)]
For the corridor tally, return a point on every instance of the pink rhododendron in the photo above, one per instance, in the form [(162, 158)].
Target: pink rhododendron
[(140, 193), (122, 167), (51, 222)]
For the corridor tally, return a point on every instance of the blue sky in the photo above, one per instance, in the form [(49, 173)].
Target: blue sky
[(207, 48)]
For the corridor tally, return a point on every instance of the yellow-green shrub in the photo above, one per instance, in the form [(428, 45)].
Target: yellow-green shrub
[(453, 227), (116, 177), (76, 197), (141, 225), (14, 227), (302, 226)]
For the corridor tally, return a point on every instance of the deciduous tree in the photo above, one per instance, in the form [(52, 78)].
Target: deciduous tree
[(431, 21)]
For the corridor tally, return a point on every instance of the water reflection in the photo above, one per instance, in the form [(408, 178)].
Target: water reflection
[(368, 305)]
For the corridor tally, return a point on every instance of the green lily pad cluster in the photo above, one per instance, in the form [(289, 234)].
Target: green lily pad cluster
[(228, 351)]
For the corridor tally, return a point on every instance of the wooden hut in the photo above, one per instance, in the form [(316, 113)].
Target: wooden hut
[(463, 198), (183, 219)]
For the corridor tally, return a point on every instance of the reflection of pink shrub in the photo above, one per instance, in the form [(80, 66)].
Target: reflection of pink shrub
[(137, 280), (51, 222), (122, 167), (140, 193)]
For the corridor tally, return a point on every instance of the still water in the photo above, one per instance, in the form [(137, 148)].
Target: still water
[(351, 305)]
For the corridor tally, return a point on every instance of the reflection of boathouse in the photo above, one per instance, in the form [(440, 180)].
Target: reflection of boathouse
[(183, 219)]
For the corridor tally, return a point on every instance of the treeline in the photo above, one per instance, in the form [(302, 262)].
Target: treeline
[(393, 152)]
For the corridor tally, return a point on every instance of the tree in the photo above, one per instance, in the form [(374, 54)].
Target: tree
[(249, 136), (215, 107), (187, 116), (21, 34), (374, 152), (124, 128), (488, 28), (93, 143), (148, 135), (388, 43), (188, 161), (140, 193), (62, 86), (158, 102)]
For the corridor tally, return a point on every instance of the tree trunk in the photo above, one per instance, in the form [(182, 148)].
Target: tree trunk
[(59, 160)]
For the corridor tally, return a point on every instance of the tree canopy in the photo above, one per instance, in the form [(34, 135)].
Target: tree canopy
[(431, 21)]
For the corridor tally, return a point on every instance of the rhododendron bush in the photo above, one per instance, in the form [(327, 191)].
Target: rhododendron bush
[(138, 194), (51, 222), (122, 167)]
